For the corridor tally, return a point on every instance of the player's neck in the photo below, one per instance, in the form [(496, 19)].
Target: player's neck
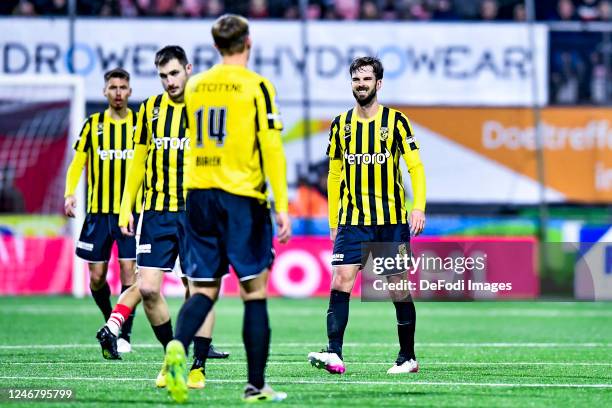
[(117, 114), (236, 59), (368, 111)]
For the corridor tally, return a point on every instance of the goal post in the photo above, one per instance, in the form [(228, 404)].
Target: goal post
[(38, 103)]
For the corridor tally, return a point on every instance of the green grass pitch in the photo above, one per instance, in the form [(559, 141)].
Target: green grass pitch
[(481, 354)]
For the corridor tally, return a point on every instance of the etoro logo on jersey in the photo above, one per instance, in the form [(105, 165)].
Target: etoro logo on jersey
[(115, 154), (367, 158), (174, 143)]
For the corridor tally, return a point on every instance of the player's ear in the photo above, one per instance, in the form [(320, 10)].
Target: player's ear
[(129, 92), (189, 69), (378, 84)]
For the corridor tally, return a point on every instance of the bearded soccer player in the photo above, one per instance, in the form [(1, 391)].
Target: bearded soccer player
[(235, 137), (105, 144), (161, 147), (366, 204)]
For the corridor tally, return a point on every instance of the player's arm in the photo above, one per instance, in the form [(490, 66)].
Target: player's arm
[(75, 169), (410, 152), (334, 178), (274, 162), (135, 172)]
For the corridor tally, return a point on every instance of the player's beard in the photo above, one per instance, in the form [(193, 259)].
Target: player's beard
[(367, 99)]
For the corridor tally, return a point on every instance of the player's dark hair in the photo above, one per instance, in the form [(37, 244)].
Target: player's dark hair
[(359, 63), (230, 32), (170, 52), (117, 73)]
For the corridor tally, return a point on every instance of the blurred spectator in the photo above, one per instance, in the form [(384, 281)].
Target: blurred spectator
[(519, 13), (419, 11), (238, 7), (258, 9), (369, 10), (193, 8), (489, 10), (25, 8), (565, 11), (347, 9), (565, 79), (588, 10), (52, 7), (605, 10), (598, 79), (444, 10), (214, 8)]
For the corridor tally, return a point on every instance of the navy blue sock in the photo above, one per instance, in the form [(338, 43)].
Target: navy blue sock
[(126, 329), (256, 337), (102, 299), (163, 333), (200, 351), (406, 324), (191, 316), (337, 319)]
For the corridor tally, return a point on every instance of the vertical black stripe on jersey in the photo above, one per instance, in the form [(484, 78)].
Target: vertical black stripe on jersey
[(404, 123), (384, 169), (342, 186), (111, 170), (88, 136), (166, 163), (358, 198), (123, 162), (256, 117), (153, 169), (179, 163), (268, 105), (101, 165), (91, 179), (371, 169), (396, 188)]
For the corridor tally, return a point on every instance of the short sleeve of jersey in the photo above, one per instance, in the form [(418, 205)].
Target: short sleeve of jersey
[(268, 115), (141, 132), (334, 149), (404, 137), (83, 143)]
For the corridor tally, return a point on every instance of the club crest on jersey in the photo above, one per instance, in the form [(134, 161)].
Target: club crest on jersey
[(100, 129), (155, 112), (384, 133), (347, 130)]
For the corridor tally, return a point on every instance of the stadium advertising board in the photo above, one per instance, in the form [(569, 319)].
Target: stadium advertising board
[(494, 151), (450, 64), (301, 269)]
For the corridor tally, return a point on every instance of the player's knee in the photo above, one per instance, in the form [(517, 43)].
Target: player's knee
[(342, 282), (149, 294), (96, 280)]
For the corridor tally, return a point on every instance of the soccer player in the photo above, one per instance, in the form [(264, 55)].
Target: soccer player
[(161, 146), (235, 137), (105, 144), (365, 181)]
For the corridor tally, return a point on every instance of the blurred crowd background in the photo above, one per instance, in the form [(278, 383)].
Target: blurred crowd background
[(442, 10)]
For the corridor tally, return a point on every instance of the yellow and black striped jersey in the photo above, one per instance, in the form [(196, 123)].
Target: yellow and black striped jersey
[(234, 131), (109, 146), (371, 187), (161, 126)]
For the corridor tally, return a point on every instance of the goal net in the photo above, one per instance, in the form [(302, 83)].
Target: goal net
[(40, 118)]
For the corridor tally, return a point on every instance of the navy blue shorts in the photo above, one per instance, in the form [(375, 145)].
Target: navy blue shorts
[(225, 229), (161, 239), (97, 236), (347, 246)]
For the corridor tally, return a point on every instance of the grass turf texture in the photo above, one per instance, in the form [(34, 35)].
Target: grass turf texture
[(470, 354)]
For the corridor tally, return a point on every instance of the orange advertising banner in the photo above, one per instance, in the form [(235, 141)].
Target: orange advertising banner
[(577, 143)]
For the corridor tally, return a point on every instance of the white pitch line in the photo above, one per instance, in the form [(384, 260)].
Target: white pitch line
[(282, 363), (349, 344), (335, 383)]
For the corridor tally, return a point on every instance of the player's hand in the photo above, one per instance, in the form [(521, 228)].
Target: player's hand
[(70, 205), (417, 222), (284, 227), (129, 230), (332, 233)]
